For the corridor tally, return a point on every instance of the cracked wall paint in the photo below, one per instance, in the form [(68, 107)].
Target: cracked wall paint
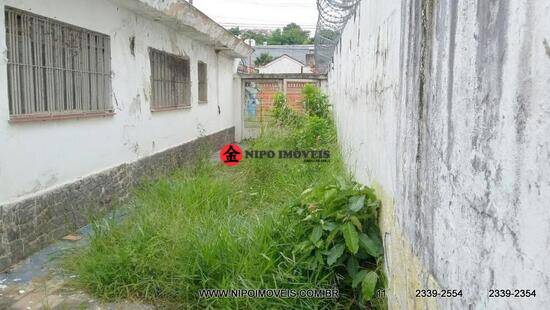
[(443, 105), (30, 153)]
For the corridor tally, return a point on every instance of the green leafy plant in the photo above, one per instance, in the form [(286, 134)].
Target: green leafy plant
[(315, 101), (310, 130), (282, 113), (342, 234), (314, 132)]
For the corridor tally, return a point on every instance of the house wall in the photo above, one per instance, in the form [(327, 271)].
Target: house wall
[(56, 175), (40, 155), (284, 65), (443, 107)]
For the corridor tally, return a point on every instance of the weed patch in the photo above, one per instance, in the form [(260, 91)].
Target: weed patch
[(209, 226)]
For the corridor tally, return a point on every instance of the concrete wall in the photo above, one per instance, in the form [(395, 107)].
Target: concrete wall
[(443, 107), (39, 156), (284, 64)]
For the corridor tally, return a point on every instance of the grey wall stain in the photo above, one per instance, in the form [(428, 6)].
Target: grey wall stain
[(427, 193), (135, 106), (522, 106), (132, 40), (117, 105), (450, 81), (134, 147), (546, 48), (49, 181), (129, 139), (492, 18)]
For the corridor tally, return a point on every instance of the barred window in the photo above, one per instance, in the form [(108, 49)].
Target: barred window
[(55, 69), (170, 80), (203, 82)]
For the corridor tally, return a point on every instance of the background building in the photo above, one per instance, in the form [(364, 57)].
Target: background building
[(295, 54), (285, 64)]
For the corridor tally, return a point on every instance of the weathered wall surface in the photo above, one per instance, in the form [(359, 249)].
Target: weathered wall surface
[(36, 157), (444, 107), (28, 225), (56, 175)]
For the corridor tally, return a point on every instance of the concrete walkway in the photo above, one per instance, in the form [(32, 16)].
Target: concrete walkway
[(38, 282)]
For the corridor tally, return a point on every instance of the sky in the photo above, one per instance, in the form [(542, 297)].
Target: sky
[(263, 14)]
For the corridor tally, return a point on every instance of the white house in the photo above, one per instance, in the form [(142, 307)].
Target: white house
[(95, 95), (285, 64)]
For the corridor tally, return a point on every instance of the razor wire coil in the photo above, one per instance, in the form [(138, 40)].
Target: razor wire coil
[(333, 16)]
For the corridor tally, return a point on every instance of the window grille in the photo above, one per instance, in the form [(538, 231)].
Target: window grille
[(55, 68), (170, 79), (203, 82)]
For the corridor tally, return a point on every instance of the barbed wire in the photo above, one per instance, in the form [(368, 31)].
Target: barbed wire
[(333, 16)]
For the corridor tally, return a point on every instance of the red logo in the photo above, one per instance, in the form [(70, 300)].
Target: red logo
[(231, 154)]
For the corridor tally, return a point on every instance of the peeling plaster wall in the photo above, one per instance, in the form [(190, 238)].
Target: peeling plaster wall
[(443, 106), (38, 156)]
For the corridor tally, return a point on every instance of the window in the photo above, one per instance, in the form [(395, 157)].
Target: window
[(55, 69), (203, 82), (170, 79)]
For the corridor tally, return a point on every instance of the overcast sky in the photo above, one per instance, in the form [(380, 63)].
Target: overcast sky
[(268, 14)]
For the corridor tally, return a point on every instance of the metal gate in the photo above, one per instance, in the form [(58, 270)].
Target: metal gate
[(258, 98)]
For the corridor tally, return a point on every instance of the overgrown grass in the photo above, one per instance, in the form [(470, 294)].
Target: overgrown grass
[(208, 226)]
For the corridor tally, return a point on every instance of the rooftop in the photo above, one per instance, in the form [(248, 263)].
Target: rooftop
[(191, 21), (297, 52)]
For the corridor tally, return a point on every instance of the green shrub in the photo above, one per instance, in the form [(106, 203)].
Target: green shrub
[(282, 113), (341, 234), (315, 102), (314, 132)]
